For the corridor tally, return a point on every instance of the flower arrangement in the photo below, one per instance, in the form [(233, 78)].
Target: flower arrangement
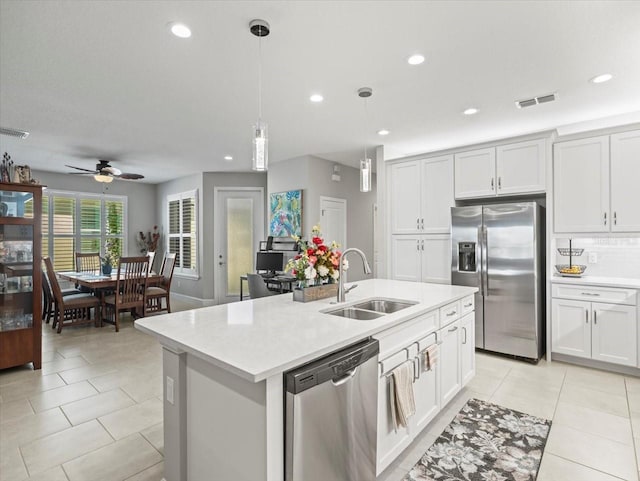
[(107, 259), (149, 242), (316, 263)]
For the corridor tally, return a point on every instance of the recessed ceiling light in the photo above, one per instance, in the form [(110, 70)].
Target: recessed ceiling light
[(605, 77), (316, 98), (180, 30), (470, 111), (383, 132), (228, 158), (416, 59)]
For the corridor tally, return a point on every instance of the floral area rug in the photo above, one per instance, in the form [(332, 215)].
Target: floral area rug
[(485, 442)]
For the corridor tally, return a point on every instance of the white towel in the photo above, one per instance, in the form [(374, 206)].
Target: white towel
[(430, 357), (403, 404)]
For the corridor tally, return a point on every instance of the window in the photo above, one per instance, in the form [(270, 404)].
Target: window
[(82, 222), (182, 213)]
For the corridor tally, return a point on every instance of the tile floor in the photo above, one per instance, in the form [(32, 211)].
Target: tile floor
[(94, 412)]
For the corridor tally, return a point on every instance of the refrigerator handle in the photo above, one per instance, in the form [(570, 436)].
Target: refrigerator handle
[(480, 261), (485, 261)]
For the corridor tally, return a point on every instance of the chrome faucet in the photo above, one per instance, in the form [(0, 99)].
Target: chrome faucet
[(365, 265)]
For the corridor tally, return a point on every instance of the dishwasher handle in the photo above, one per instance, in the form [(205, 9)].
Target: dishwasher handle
[(343, 379)]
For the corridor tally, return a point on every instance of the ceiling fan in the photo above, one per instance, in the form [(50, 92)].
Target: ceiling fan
[(105, 173)]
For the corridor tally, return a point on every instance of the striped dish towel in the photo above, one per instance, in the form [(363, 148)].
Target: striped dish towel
[(403, 404), (430, 357)]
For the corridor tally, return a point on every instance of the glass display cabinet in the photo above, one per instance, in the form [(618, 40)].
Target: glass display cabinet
[(20, 275)]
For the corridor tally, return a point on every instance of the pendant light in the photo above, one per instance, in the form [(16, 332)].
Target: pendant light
[(260, 29), (365, 163)]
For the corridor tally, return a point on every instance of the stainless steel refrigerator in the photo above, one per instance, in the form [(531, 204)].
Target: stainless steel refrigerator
[(499, 248)]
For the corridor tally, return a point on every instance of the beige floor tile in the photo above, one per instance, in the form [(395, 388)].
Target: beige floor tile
[(484, 383), (635, 424), (19, 374), (29, 428), (597, 380), (154, 473), (540, 407), (547, 378), (66, 445), (62, 395), (133, 419), (532, 390), (593, 451), (114, 462), (14, 410), (598, 400), (51, 356), (603, 424), (11, 466), (632, 383), (95, 406), (53, 474), (155, 435), (63, 365), (123, 377), (29, 387), (554, 468), (141, 391), (85, 372), (634, 401)]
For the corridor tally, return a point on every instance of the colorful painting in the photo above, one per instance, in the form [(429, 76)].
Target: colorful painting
[(285, 214)]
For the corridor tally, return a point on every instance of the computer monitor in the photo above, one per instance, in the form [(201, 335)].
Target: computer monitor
[(269, 261)]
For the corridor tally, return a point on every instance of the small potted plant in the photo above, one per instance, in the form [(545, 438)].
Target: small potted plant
[(107, 263)]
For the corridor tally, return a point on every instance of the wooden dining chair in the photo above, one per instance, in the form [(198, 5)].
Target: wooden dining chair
[(130, 293), (151, 256), (87, 262), (73, 309), (155, 294)]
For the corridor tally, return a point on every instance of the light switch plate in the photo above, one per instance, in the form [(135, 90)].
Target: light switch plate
[(593, 257), (169, 390)]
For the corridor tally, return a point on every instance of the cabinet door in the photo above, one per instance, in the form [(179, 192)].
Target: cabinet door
[(404, 197), (426, 390), (436, 258), (449, 362), (406, 258), (581, 185), (475, 173), (521, 167), (467, 348), (571, 327), (625, 179), (614, 333), (391, 442), (437, 195)]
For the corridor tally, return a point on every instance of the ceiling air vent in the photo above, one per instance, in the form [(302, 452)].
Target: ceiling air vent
[(14, 133), (535, 101)]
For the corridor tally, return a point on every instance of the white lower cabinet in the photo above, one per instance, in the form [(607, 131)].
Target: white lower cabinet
[(449, 360), (603, 331), (467, 348)]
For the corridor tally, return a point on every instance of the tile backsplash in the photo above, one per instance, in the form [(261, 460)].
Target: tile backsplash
[(616, 256)]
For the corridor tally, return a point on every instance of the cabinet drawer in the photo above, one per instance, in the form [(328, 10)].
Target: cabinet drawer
[(613, 295), (400, 336), (394, 360), (449, 313), (466, 305)]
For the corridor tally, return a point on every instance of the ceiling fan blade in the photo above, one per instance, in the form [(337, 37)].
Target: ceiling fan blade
[(129, 176), (80, 168)]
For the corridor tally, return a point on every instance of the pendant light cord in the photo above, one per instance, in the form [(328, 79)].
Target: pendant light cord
[(366, 118), (260, 76)]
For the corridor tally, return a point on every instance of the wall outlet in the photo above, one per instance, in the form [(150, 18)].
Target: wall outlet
[(169, 390), (593, 257)]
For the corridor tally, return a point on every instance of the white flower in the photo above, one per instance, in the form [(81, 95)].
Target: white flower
[(335, 274), (310, 273), (345, 264), (323, 271)]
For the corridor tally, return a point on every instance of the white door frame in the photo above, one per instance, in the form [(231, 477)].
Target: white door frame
[(344, 227), (218, 231)]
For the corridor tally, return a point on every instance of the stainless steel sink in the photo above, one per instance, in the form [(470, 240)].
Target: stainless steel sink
[(386, 306), (353, 313), (371, 308)]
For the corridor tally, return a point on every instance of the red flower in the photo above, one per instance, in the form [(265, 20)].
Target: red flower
[(323, 248), (298, 256), (310, 251), (294, 272), (317, 241)]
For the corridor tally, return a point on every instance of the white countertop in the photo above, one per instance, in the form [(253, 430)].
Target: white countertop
[(256, 339), (598, 281)]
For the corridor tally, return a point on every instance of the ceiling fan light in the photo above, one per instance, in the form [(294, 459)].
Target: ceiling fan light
[(107, 179)]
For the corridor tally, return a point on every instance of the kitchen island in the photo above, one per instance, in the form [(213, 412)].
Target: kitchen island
[(223, 372)]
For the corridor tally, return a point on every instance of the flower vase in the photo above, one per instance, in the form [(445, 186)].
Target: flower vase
[(106, 269), (314, 293)]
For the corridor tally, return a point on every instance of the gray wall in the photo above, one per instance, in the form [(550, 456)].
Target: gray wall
[(313, 175), (142, 207)]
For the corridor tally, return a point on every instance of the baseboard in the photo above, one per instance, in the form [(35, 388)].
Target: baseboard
[(605, 366), (202, 302)]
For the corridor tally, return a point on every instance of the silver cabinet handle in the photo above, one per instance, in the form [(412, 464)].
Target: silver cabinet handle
[(417, 224), (586, 316), (416, 369), (593, 294), (469, 305), (452, 313), (615, 218), (464, 329), (453, 329), (422, 245), (492, 184), (417, 245), (605, 218), (500, 183), (422, 223), (595, 317)]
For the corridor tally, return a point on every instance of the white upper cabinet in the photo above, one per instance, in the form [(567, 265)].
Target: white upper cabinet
[(510, 169), (521, 167), (581, 185), (625, 182), (421, 196), (475, 174)]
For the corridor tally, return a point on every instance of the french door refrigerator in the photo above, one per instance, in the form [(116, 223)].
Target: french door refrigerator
[(499, 248)]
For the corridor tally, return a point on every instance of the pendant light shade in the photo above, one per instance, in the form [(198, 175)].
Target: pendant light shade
[(260, 29), (365, 175)]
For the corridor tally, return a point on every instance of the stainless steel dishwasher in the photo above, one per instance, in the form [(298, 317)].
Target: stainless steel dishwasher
[(331, 416)]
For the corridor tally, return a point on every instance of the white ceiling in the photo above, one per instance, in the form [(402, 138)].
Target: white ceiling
[(107, 80)]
